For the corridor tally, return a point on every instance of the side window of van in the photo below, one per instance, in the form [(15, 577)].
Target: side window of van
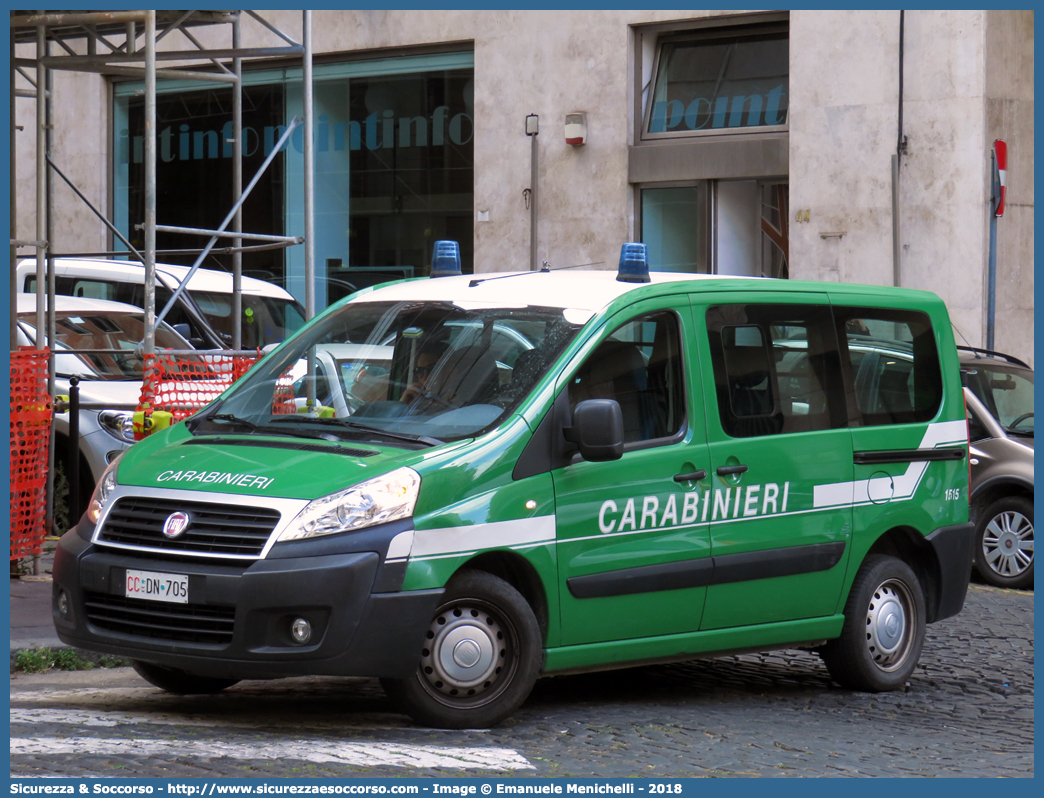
[(94, 289), (75, 286), (640, 366), (894, 364), (776, 369)]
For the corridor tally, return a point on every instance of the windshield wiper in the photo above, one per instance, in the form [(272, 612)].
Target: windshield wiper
[(264, 429), (233, 419), (342, 423)]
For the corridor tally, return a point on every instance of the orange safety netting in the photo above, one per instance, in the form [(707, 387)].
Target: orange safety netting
[(31, 412), (181, 385)]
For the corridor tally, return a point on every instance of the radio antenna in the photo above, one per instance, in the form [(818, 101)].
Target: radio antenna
[(545, 269)]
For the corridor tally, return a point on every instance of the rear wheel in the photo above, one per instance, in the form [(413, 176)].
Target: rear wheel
[(1004, 542), (175, 680), (883, 632), (480, 659)]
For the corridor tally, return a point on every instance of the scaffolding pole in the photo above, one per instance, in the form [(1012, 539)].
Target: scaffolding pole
[(41, 185), (132, 58), (237, 189), (138, 56), (150, 181), (13, 189)]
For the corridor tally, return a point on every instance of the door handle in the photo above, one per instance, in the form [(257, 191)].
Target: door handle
[(724, 471), (695, 476)]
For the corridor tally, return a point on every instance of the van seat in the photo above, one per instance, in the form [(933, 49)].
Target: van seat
[(750, 392), (465, 376)]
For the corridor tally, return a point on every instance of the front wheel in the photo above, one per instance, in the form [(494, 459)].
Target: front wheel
[(883, 632), (1004, 542), (480, 659), (179, 682)]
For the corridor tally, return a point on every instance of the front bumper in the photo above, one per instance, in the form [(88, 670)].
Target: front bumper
[(237, 621)]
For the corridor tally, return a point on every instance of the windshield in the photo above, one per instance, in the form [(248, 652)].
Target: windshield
[(266, 320), (102, 330), (1007, 392), (426, 370)]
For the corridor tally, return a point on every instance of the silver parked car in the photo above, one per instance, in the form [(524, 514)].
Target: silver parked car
[(999, 396), (115, 378)]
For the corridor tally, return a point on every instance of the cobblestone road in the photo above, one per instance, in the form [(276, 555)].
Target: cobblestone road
[(967, 711)]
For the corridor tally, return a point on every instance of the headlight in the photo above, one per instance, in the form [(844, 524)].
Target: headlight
[(118, 423), (376, 501), (102, 491)]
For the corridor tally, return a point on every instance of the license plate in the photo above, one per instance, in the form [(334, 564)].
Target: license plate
[(157, 587)]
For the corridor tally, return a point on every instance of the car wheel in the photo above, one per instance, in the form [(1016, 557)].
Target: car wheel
[(480, 659), (883, 632), (1004, 542), (175, 680)]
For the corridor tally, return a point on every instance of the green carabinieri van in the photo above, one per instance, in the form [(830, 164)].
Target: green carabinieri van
[(461, 484)]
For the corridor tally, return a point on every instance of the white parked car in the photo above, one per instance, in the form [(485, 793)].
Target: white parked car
[(204, 316), (116, 379)]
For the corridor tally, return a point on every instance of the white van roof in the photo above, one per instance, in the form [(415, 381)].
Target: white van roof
[(132, 272), (582, 291)]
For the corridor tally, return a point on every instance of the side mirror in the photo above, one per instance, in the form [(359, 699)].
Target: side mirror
[(182, 329), (597, 429)]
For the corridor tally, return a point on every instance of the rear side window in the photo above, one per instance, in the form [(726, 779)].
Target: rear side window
[(894, 365), (75, 286), (776, 369)]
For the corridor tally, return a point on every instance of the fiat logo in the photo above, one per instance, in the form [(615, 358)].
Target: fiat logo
[(175, 524)]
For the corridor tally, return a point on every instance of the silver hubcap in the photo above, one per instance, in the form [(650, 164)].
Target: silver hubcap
[(465, 653), (1007, 543), (888, 625)]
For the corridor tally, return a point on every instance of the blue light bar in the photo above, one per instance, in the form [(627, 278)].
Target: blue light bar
[(634, 264), (445, 259)]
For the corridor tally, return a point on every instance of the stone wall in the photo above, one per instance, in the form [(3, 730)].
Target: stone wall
[(968, 80)]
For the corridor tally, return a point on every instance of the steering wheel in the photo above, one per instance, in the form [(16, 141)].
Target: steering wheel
[(1020, 419)]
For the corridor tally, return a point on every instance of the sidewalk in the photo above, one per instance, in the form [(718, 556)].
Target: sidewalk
[(31, 625)]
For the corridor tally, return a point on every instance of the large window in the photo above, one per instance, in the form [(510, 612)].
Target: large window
[(737, 227), (720, 80), (194, 169), (674, 228), (894, 365), (640, 366), (393, 168), (776, 369)]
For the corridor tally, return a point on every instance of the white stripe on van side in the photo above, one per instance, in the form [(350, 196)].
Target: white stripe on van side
[(838, 494), (400, 546), (430, 543)]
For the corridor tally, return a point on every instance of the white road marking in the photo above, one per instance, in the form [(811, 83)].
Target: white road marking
[(317, 751), (92, 695), (85, 717), (147, 705)]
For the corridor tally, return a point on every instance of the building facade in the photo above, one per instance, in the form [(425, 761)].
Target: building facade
[(734, 143)]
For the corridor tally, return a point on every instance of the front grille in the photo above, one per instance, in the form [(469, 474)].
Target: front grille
[(216, 529), (182, 623)]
